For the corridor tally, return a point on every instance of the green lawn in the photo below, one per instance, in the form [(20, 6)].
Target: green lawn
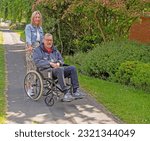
[(128, 104), (2, 83)]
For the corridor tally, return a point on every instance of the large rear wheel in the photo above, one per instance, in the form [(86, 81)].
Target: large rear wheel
[(33, 85)]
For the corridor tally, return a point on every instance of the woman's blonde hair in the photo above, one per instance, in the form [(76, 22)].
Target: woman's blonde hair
[(33, 15)]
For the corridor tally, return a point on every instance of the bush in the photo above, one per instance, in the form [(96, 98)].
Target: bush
[(22, 36), (76, 60), (103, 61), (85, 43), (125, 72), (134, 73), (141, 77), (16, 26)]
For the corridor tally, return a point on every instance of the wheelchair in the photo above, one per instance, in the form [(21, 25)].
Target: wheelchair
[(44, 84)]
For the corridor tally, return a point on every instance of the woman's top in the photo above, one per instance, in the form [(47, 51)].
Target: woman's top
[(33, 34)]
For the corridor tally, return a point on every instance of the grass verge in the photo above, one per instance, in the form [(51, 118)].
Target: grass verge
[(21, 34), (128, 104), (2, 83)]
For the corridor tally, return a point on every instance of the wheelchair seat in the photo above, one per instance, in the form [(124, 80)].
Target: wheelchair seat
[(45, 73)]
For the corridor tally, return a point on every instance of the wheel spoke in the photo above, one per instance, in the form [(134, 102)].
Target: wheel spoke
[(33, 85)]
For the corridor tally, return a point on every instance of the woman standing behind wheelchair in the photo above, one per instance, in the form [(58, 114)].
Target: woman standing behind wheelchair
[(34, 37)]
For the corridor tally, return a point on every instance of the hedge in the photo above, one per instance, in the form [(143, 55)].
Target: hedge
[(134, 73), (104, 60)]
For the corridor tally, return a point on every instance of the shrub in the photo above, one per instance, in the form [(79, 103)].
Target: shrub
[(134, 73), (85, 43), (16, 26), (141, 77), (22, 36), (125, 72), (76, 60), (104, 60)]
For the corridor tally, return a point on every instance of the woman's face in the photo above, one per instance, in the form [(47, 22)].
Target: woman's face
[(37, 19)]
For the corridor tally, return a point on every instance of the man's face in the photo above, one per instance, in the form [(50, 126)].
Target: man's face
[(48, 41)]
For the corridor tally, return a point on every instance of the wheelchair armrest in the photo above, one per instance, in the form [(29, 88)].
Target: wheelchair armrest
[(44, 69)]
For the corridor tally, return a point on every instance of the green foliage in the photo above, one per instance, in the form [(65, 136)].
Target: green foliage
[(86, 44), (146, 9), (134, 73), (2, 83), (103, 61), (141, 77), (125, 72), (76, 60), (16, 10), (80, 25), (17, 26), (22, 34), (117, 61)]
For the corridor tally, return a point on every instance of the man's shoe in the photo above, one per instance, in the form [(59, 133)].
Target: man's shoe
[(68, 97), (78, 95)]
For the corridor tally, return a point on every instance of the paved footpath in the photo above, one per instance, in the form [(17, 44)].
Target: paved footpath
[(21, 109)]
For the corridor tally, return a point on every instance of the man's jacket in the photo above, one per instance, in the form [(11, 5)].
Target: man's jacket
[(42, 58)]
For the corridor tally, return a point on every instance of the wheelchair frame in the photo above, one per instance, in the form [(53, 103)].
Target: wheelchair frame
[(43, 86)]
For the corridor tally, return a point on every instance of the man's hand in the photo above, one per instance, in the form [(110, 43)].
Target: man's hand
[(55, 65)]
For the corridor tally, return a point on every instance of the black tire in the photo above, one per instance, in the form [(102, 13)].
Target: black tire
[(34, 80), (49, 100)]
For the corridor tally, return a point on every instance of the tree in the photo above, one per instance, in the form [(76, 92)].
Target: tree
[(16, 10), (79, 25)]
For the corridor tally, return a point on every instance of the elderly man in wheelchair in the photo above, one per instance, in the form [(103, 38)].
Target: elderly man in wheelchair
[(48, 60)]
